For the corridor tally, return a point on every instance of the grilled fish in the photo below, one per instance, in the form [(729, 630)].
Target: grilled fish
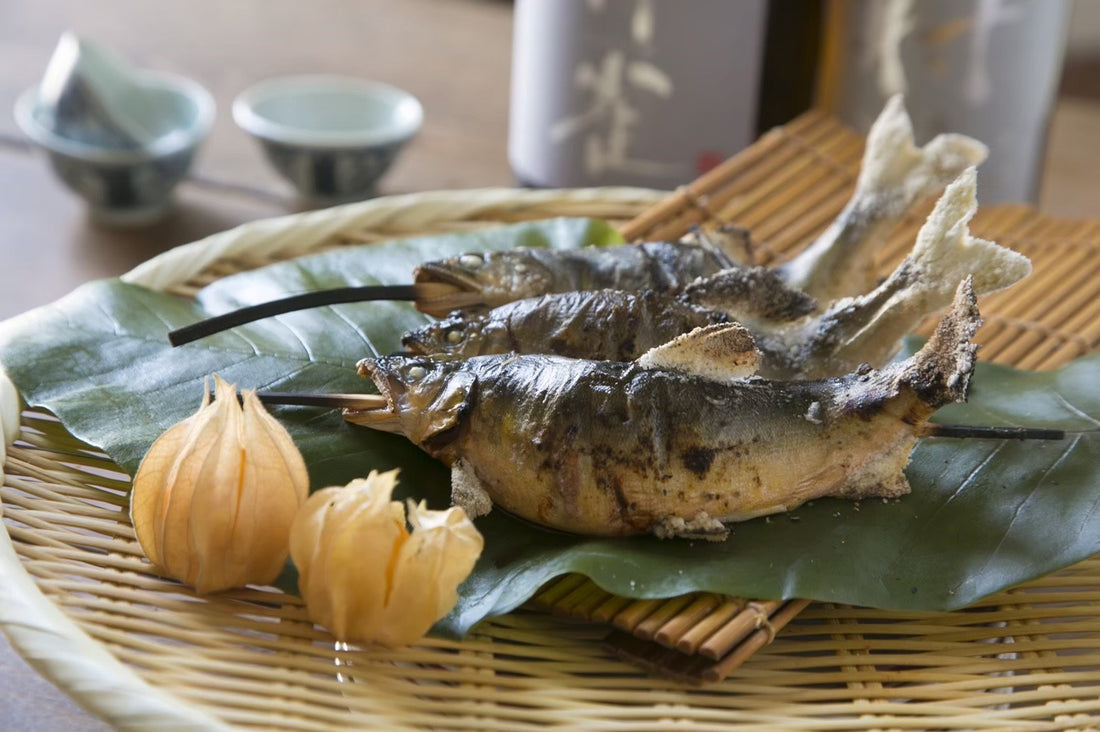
[(895, 174), (795, 343), (613, 325), (491, 279), (676, 443)]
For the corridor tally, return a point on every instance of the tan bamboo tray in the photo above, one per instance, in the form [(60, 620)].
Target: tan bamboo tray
[(80, 603)]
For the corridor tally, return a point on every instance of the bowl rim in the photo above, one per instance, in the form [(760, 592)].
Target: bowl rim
[(259, 126), (168, 144)]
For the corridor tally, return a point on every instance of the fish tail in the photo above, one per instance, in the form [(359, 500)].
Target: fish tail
[(893, 162), (945, 252), (940, 372), (894, 175)]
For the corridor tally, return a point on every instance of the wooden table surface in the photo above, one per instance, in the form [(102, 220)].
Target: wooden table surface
[(452, 54)]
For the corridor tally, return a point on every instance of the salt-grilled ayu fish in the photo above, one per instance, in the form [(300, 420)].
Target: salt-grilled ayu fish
[(895, 174), (490, 279), (676, 443), (794, 343), (614, 325)]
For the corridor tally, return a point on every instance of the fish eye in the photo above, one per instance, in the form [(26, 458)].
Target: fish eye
[(416, 373), (454, 335), (471, 261)]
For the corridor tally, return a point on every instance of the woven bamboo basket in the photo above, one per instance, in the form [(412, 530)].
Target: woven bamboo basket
[(83, 606)]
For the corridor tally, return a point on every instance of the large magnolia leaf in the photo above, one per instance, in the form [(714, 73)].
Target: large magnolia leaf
[(983, 515)]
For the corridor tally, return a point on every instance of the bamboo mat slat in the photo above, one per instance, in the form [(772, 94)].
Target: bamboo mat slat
[(1027, 658)]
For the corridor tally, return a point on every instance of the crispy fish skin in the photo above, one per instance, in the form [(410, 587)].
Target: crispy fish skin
[(614, 325), (610, 325), (614, 449), (491, 279)]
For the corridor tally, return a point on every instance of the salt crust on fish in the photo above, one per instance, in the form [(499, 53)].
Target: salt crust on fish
[(894, 175)]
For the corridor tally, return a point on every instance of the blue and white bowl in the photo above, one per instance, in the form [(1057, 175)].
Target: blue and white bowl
[(332, 137), (132, 183)]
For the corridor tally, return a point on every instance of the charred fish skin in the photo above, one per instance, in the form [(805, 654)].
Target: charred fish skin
[(614, 449), (496, 278), (610, 325), (614, 325)]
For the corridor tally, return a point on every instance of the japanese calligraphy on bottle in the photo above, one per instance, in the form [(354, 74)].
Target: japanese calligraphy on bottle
[(638, 92)]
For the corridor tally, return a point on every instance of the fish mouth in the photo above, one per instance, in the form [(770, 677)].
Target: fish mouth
[(441, 289), (377, 411), (415, 344), (383, 418)]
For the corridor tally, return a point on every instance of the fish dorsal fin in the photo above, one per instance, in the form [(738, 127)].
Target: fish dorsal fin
[(721, 352)]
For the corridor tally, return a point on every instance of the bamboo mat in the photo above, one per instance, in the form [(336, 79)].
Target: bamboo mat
[(140, 650), (785, 190)]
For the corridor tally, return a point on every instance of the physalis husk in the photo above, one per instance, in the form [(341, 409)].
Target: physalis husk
[(365, 576), (213, 499)]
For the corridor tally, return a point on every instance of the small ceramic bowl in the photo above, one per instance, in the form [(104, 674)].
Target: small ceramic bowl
[(90, 94), (332, 137), (128, 185)]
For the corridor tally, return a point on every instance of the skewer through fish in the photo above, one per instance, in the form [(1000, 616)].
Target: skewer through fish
[(676, 443)]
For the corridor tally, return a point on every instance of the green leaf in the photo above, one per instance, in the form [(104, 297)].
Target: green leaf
[(983, 515)]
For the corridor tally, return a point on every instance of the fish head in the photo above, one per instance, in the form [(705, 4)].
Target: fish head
[(484, 279), (425, 399), (457, 334)]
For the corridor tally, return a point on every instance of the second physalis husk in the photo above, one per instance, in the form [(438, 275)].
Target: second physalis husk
[(214, 497), (365, 576)]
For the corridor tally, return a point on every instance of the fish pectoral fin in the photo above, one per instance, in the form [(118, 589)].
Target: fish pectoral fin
[(468, 492), (721, 352), (815, 485), (701, 526)]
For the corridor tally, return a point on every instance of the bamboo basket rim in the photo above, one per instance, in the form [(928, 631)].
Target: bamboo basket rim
[(48, 639)]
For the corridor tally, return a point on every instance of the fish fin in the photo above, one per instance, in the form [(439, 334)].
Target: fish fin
[(894, 175), (731, 241), (945, 252), (869, 327), (467, 490), (720, 352), (893, 162), (701, 526)]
